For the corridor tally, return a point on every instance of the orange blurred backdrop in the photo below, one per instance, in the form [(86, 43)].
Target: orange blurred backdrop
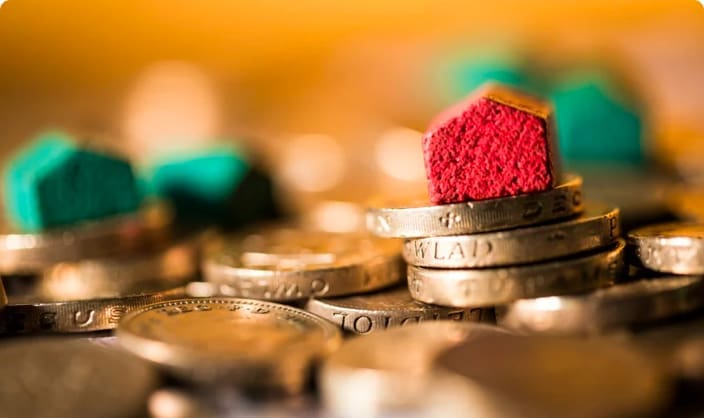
[(350, 72)]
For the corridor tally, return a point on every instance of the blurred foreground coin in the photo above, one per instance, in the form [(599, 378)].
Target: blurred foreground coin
[(124, 275), (289, 264), (364, 314), (374, 375), (61, 377), (495, 286), (28, 253), (417, 220), (252, 344), (597, 227), (618, 306), (513, 376), (676, 248)]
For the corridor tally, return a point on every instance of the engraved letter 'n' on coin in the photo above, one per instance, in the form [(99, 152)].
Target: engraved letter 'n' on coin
[(84, 318)]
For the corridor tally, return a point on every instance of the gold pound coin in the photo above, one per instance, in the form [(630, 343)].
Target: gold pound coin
[(500, 285), (29, 253), (596, 228), (289, 264), (114, 277), (28, 314), (619, 306), (676, 248), (374, 312), (253, 344), (415, 219)]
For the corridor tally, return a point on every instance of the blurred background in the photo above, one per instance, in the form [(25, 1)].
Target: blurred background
[(333, 97)]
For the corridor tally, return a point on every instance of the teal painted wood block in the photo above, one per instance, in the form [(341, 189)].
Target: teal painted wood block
[(216, 185), (53, 182), (596, 122), (467, 72)]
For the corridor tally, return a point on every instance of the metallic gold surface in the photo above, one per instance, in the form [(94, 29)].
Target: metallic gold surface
[(513, 376), (28, 253), (486, 287), (113, 277), (597, 227), (416, 219), (374, 312), (618, 306), (289, 264), (29, 315), (373, 375), (676, 248), (252, 344), (65, 377)]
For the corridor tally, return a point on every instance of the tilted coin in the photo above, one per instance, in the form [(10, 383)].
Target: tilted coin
[(28, 253), (416, 219), (618, 306), (62, 377), (250, 343), (676, 248), (28, 315), (500, 285), (374, 374), (125, 275), (540, 376), (364, 314), (597, 227), (289, 264)]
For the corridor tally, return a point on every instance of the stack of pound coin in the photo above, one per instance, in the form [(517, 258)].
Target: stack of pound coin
[(492, 252), (85, 277)]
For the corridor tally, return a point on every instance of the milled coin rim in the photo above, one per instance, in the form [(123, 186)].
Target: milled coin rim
[(604, 308), (594, 229), (184, 359), (77, 316), (383, 318), (478, 216), (376, 272), (443, 286)]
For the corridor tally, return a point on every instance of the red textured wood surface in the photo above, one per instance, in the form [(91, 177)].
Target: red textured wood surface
[(485, 148)]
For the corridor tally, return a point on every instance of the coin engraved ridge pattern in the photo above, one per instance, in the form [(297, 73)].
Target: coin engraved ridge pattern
[(481, 216), (595, 229), (486, 287), (75, 316)]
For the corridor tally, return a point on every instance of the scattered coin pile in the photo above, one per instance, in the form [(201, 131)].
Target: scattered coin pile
[(85, 277), (266, 321)]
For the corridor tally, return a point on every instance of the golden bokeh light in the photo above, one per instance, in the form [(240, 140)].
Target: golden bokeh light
[(171, 107)]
